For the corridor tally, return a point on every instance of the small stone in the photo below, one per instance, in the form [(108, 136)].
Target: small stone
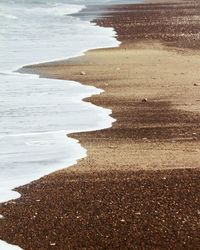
[(12, 202), (82, 73), (138, 213), (164, 178), (1, 217), (196, 84), (112, 146), (144, 100), (52, 244), (122, 220)]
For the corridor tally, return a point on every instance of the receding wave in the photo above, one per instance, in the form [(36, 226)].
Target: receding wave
[(36, 113)]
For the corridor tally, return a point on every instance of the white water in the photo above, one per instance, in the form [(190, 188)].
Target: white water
[(35, 113), (6, 246)]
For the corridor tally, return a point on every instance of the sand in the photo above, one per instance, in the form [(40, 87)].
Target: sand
[(138, 188)]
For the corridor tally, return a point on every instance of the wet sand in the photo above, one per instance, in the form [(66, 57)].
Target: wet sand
[(139, 186)]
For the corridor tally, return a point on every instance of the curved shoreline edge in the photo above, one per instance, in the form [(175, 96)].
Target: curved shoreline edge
[(23, 70), (16, 194)]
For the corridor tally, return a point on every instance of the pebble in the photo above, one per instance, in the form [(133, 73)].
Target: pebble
[(11, 202), (82, 73), (144, 100), (112, 146), (52, 244)]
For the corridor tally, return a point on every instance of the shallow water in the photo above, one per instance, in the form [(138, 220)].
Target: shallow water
[(36, 114)]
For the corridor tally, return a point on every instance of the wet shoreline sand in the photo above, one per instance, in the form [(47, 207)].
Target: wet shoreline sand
[(139, 186)]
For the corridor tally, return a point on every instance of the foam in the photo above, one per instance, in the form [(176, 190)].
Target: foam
[(6, 246), (36, 114)]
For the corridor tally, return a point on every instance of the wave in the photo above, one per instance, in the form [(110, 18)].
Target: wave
[(8, 16), (57, 9), (14, 11)]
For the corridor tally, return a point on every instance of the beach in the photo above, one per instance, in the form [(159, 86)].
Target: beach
[(138, 187)]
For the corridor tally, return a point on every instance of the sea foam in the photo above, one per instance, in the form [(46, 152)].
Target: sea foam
[(36, 113)]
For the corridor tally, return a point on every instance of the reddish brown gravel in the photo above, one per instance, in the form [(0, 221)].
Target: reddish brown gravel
[(115, 210), (176, 24)]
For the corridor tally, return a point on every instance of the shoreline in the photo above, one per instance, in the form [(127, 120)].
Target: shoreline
[(19, 71), (16, 195), (138, 185)]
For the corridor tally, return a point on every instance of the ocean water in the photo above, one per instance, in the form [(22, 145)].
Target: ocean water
[(36, 114)]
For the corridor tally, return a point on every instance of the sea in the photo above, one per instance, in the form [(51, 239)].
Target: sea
[(37, 114)]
